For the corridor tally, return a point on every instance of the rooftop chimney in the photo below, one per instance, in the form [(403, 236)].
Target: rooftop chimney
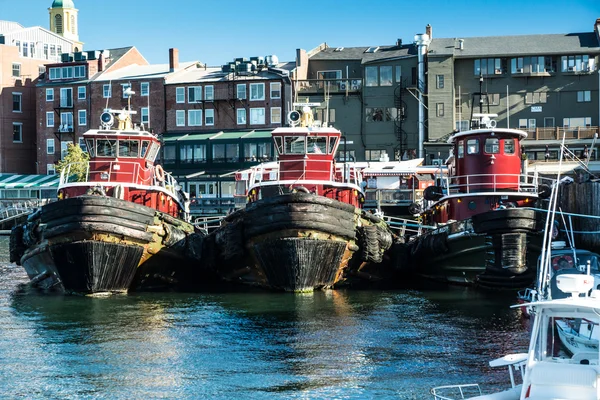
[(428, 31), (399, 43), (597, 30), (101, 62), (173, 59)]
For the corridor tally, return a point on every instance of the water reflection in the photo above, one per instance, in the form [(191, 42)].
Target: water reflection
[(334, 344)]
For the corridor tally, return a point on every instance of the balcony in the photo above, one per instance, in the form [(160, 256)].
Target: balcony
[(556, 133), (319, 86)]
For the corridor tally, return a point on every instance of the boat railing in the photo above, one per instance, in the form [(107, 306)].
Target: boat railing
[(477, 183), (348, 173), (208, 223), (444, 392), (403, 227)]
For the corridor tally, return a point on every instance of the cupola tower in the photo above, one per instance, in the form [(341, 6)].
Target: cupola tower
[(63, 21)]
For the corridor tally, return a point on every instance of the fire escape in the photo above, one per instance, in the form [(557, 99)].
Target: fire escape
[(401, 134)]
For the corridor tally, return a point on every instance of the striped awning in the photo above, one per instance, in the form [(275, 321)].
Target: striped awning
[(16, 181)]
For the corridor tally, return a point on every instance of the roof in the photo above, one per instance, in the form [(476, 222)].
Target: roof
[(220, 135), (15, 181), (8, 26), (136, 71), (63, 4), (571, 43), (382, 53), (215, 74)]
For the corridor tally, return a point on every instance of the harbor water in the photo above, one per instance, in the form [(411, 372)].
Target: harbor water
[(251, 344)]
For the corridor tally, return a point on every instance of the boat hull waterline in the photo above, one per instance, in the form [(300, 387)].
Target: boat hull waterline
[(299, 242), (92, 244)]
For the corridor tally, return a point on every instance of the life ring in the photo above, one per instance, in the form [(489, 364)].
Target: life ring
[(159, 173), (561, 262)]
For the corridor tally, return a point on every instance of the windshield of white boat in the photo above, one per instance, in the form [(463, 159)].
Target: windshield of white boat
[(582, 261), (568, 335)]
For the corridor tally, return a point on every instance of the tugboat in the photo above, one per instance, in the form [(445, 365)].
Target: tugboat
[(303, 227), (481, 229), (121, 225)]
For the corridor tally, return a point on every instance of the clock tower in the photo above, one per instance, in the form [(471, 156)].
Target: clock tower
[(63, 21)]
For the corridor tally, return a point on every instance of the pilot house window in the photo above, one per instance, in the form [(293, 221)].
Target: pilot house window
[(473, 146), (509, 146), (492, 145), (316, 145)]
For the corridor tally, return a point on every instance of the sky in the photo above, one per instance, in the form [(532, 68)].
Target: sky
[(216, 32)]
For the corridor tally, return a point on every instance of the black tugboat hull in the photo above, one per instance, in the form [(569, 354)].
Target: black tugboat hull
[(298, 242), (92, 244), (496, 249)]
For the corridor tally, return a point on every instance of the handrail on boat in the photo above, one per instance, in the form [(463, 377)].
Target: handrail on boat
[(523, 183), (461, 390)]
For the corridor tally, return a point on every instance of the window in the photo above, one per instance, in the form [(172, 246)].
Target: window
[(257, 91), (55, 73), (66, 97), (81, 117), (129, 148), (194, 94), (79, 71), (328, 76), (49, 119), (229, 152), (145, 115), (209, 116), (49, 94), (439, 109), (579, 63), (385, 75), (209, 92), (380, 114), (25, 49), (577, 122), (66, 122), (584, 96), (169, 154), (194, 117), (439, 81), (17, 132), (275, 90), (462, 125), (316, 145), (522, 123), (488, 66), (473, 146), (145, 89), (106, 91), (180, 117), (50, 146), (257, 116), (67, 72), (17, 97), (83, 145), (509, 146), (241, 116), (371, 76), (461, 149), (276, 115), (192, 153), (535, 97), (81, 92), (50, 168), (398, 73), (124, 87), (491, 99), (241, 91), (16, 70), (492, 146), (180, 95), (373, 155)]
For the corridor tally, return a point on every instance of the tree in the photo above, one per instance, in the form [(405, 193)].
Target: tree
[(78, 161)]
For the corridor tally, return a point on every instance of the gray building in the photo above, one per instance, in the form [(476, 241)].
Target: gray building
[(383, 98)]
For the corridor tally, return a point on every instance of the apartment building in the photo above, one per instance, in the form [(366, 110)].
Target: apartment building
[(219, 119)]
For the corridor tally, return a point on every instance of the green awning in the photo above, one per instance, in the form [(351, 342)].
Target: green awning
[(15, 181)]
